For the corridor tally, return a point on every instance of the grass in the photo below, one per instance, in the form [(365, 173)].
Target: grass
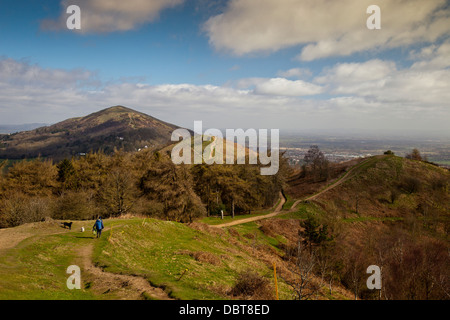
[(302, 211), (251, 234), (289, 202), (364, 219), (36, 269), (168, 254), (163, 252)]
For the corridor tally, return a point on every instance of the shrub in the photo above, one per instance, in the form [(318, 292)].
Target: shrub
[(18, 209), (411, 184), (251, 285)]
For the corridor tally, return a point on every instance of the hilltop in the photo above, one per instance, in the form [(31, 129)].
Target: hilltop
[(116, 127)]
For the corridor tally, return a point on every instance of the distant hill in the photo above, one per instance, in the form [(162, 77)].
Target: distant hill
[(116, 127), (12, 128)]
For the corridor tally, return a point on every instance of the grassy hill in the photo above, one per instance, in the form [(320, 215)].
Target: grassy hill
[(116, 127), (391, 186), (391, 212), (187, 262)]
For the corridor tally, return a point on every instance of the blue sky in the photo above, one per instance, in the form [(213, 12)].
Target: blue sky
[(288, 64)]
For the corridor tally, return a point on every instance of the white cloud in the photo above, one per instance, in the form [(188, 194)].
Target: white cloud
[(295, 73), (284, 87), (432, 57), (421, 88), (358, 72), (111, 15), (372, 95), (325, 27)]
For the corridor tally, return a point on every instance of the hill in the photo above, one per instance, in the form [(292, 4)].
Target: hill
[(391, 212), (385, 211), (116, 127), (171, 260), (391, 186)]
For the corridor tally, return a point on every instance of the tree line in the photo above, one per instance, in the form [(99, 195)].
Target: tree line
[(142, 183)]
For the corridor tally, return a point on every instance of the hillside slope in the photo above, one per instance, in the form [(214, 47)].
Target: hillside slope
[(391, 186), (115, 127), (394, 213)]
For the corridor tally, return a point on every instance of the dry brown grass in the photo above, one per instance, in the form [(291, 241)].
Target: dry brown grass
[(203, 257), (206, 228)]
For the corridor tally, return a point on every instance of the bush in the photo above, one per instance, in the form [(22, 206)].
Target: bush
[(252, 286), (411, 184), (18, 209)]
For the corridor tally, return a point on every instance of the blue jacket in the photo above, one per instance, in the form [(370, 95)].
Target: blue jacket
[(99, 224)]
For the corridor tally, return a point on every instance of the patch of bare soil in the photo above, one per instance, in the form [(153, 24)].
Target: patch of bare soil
[(116, 286)]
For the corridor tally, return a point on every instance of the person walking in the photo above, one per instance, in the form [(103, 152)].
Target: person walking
[(98, 226)]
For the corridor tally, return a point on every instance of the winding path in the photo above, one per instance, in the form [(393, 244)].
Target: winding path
[(278, 210)]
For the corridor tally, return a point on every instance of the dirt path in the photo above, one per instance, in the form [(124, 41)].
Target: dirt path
[(278, 211), (344, 178), (119, 285), (246, 220)]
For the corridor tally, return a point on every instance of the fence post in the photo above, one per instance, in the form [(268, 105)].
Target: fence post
[(275, 277)]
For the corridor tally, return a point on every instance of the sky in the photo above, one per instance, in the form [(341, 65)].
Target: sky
[(310, 66)]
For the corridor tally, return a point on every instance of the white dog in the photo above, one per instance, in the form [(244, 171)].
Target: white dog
[(82, 229)]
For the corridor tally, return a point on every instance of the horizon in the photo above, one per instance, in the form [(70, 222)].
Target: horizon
[(324, 133), (232, 64)]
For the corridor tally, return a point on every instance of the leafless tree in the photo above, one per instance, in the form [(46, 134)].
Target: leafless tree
[(302, 283)]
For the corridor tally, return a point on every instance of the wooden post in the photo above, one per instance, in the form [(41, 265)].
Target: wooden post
[(275, 277)]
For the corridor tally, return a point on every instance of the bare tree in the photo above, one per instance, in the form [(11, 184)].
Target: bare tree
[(414, 155), (304, 262), (317, 163)]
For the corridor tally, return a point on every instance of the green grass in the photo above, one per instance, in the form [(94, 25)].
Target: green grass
[(302, 211), (251, 234), (161, 251), (36, 269), (289, 202)]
